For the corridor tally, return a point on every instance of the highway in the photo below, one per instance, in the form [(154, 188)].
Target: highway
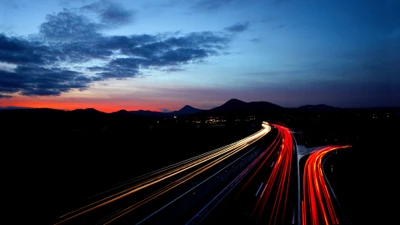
[(256, 180), (162, 186), (319, 205), (265, 192)]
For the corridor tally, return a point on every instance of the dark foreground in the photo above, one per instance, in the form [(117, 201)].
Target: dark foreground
[(51, 162), (54, 162), (363, 177)]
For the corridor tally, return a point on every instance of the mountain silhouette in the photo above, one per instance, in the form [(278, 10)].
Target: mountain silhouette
[(236, 105), (316, 107), (87, 111), (261, 105), (148, 113), (122, 111), (187, 110), (232, 106)]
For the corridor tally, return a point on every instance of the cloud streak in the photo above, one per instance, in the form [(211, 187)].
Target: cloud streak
[(238, 28), (72, 53), (110, 13)]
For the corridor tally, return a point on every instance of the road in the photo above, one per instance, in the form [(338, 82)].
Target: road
[(141, 196), (319, 204), (276, 189), (264, 193), (259, 179)]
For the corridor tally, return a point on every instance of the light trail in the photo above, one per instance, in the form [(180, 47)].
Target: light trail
[(278, 181), (272, 168), (190, 190), (211, 158), (271, 204), (178, 182), (199, 216), (317, 205)]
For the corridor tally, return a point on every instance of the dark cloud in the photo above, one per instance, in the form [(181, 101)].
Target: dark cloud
[(157, 52), (255, 40), (125, 42), (68, 26), (200, 39), (37, 67), (182, 55), (83, 51), (173, 69), (16, 50), (239, 27), (211, 4), (4, 96), (111, 13), (119, 68), (32, 80)]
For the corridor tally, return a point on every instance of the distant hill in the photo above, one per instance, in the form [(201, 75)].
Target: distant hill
[(148, 113), (87, 111), (261, 105), (122, 111), (186, 110), (316, 107), (232, 106), (235, 105)]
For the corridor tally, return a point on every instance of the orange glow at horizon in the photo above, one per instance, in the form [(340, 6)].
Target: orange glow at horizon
[(103, 105)]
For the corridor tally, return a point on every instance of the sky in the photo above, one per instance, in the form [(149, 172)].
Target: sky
[(161, 55)]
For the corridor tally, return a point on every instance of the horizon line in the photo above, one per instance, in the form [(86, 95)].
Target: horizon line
[(171, 111)]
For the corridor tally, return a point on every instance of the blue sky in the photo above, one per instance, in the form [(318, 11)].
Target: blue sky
[(164, 54)]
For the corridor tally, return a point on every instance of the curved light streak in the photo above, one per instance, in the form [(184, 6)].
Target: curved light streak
[(209, 159), (317, 205)]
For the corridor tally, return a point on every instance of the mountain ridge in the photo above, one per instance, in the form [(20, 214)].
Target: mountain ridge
[(235, 106), (232, 105), (317, 107), (187, 109)]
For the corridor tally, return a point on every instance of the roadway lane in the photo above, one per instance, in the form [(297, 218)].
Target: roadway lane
[(265, 194), (134, 195), (181, 208), (319, 204)]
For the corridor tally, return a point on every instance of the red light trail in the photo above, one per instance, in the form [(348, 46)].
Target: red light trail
[(317, 206)]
